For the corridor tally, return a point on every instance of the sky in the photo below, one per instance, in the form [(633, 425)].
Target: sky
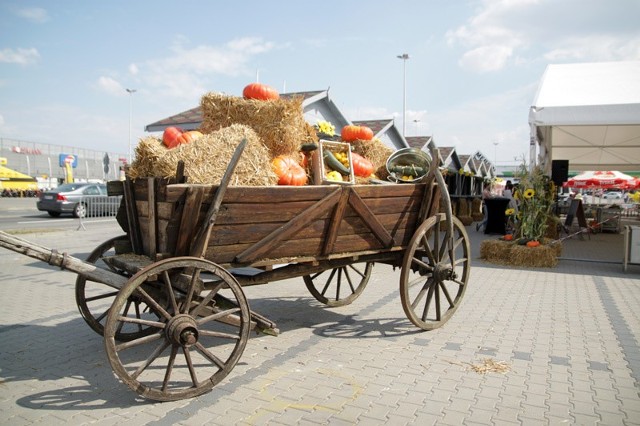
[(472, 73)]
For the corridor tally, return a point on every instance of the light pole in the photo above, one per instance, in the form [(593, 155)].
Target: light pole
[(404, 58), (495, 156), (131, 92)]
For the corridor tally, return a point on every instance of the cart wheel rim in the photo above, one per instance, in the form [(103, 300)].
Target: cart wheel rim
[(435, 272), (199, 338), (94, 299), (339, 286)]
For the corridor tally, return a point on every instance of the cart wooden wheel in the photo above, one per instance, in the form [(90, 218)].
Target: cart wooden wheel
[(339, 286), (435, 271), (199, 338), (94, 299)]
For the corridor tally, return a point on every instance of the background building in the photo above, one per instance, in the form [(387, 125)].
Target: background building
[(43, 160)]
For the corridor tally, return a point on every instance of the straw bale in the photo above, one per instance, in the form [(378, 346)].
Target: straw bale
[(376, 152), (463, 212), (207, 158), (279, 123), (512, 254), (476, 210)]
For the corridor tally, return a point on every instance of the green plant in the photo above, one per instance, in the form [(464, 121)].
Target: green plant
[(536, 199)]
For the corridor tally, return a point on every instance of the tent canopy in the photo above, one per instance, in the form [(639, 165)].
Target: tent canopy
[(588, 114)]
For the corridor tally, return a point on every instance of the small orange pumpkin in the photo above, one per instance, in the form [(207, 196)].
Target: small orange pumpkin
[(288, 170), (260, 91), (533, 243), (508, 237), (352, 133)]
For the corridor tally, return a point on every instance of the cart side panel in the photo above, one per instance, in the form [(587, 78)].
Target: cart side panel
[(251, 220)]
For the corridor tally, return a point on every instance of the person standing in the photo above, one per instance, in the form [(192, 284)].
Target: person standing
[(486, 194)]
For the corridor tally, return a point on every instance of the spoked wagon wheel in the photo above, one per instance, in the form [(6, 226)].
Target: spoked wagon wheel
[(94, 299), (198, 339), (434, 273), (339, 286)]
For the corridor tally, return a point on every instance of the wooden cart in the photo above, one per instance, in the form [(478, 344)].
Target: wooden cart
[(169, 298)]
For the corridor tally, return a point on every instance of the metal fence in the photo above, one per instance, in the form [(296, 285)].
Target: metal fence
[(96, 206)]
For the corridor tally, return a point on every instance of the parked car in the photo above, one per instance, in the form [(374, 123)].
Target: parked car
[(612, 195), (79, 199)]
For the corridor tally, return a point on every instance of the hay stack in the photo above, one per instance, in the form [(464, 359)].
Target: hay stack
[(376, 152), (476, 210), (463, 212), (511, 254), (279, 123), (207, 158)]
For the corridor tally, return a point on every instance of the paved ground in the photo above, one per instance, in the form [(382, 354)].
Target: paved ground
[(568, 335)]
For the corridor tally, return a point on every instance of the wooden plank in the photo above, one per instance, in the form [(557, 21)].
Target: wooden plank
[(132, 217), (309, 248), (251, 213), (351, 224), (277, 194), (244, 194), (336, 220), (180, 178), (188, 220), (370, 219), (294, 225), (151, 219), (115, 187)]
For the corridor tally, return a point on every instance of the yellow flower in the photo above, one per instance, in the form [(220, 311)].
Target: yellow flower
[(509, 212), (529, 193), (326, 128), (461, 171)]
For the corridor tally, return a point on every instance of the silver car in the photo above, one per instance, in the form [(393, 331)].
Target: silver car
[(79, 199)]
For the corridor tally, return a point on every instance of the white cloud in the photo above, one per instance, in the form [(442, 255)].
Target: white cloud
[(1, 120), (111, 86), (133, 69), (19, 56), (188, 71), (486, 58), (595, 48), (34, 14), (506, 32)]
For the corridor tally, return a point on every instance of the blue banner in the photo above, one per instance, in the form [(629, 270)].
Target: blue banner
[(64, 158)]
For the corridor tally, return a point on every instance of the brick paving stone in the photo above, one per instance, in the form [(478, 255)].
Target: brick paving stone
[(550, 318)]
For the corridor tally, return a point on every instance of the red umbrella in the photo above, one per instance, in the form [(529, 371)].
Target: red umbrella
[(601, 179)]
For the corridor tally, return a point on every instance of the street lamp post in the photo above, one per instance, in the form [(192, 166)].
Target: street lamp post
[(404, 58), (495, 156), (131, 92)]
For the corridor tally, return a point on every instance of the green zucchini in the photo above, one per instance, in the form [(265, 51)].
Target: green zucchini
[(335, 164), (411, 170), (308, 147)]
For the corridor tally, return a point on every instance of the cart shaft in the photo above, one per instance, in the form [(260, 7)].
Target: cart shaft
[(63, 260)]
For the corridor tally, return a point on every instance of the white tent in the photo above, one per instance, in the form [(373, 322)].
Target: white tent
[(589, 114)]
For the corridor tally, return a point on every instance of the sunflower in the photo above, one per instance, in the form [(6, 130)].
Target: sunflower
[(529, 193), (509, 212)]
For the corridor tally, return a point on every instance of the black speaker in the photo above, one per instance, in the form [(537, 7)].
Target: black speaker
[(559, 171)]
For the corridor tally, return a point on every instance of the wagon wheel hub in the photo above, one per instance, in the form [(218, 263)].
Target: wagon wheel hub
[(443, 272), (182, 330)]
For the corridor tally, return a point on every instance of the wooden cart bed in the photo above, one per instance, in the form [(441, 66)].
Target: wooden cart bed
[(261, 226)]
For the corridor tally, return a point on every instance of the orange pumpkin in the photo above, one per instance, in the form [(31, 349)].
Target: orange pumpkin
[(352, 133), (260, 91), (288, 170), (508, 237), (361, 166), (533, 243)]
